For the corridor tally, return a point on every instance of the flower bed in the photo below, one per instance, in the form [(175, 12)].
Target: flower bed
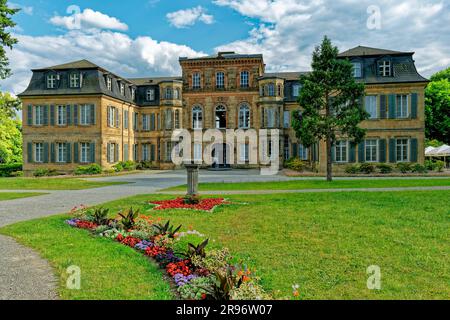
[(180, 203), (195, 273)]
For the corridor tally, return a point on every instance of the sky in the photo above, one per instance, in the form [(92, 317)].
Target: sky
[(143, 38)]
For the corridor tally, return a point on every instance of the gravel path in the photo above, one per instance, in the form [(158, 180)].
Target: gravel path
[(25, 275)]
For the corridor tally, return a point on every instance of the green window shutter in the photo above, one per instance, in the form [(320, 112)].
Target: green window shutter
[(152, 152), (382, 150), (45, 115), (413, 150), (414, 106), (392, 155), (382, 107), (116, 155), (68, 153), (294, 150), (92, 150), (152, 122), (125, 152), (30, 115), (333, 154), (75, 115), (69, 114), (117, 117), (361, 153), (75, 152), (392, 106), (30, 152), (45, 152), (52, 153), (52, 115), (352, 154), (108, 155), (92, 107)]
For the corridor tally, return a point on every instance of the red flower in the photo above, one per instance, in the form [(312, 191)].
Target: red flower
[(120, 237), (178, 203), (129, 241), (154, 250), (203, 296), (183, 267), (86, 225)]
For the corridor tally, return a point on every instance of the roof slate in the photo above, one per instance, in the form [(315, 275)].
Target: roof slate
[(368, 51)]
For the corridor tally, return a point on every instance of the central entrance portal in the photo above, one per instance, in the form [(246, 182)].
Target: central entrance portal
[(220, 155)]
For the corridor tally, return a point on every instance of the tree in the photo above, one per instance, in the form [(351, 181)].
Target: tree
[(6, 40), (331, 102), (10, 129), (437, 107)]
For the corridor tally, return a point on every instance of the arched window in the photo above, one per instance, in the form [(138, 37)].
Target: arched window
[(244, 117), (197, 118), (271, 89), (244, 79), (168, 93), (176, 94), (221, 117)]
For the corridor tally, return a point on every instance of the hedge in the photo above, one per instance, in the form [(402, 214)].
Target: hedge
[(7, 170)]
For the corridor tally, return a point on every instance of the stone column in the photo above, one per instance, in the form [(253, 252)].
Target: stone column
[(192, 179)]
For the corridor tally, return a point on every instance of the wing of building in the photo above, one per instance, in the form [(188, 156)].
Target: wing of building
[(79, 113)]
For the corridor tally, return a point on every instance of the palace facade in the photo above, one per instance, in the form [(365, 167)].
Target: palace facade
[(80, 113)]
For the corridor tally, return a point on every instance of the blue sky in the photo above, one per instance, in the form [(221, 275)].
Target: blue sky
[(145, 37)]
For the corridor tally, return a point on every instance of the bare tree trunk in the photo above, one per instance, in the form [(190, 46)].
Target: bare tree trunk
[(329, 161)]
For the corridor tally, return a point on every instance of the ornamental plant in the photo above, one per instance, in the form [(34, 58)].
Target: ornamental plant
[(166, 229), (129, 219)]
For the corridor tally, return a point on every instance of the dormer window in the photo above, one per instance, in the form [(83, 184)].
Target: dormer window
[(122, 88), (357, 69), (384, 68), (133, 93), (74, 80), (150, 95), (296, 90), (51, 81), (109, 83)]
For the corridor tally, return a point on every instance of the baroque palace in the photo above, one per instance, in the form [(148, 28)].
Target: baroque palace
[(79, 113)]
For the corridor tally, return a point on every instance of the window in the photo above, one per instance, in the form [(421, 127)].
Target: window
[(271, 89), (176, 94), (221, 117), (261, 91), (168, 119), (341, 151), (85, 114), (168, 151), (122, 88), (296, 90), (198, 152), (271, 117), (112, 152), (111, 117), (133, 94), (402, 106), (125, 119), (51, 81), (150, 95), (146, 152), (402, 150), (280, 90), (220, 80), (196, 80), (244, 152), (62, 115), (384, 68), (370, 104), (371, 148), (286, 119), (177, 119), (244, 79), (197, 118), (61, 152), (109, 83), (39, 152), (244, 117), (39, 115), (302, 152), (146, 122), (74, 80), (85, 150), (168, 93), (357, 69)]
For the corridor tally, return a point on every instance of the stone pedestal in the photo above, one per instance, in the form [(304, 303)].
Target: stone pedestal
[(192, 179)]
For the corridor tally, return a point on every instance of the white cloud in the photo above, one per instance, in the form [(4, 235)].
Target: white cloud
[(288, 30), (188, 17), (25, 9), (117, 52), (88, 19)]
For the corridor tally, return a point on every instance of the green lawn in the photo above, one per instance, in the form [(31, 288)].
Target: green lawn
[(323, 242), (318, 184), (13, 195), (51, 184)]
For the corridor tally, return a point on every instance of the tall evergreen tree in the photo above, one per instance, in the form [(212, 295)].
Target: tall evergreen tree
[(6, 40), (331, 102)]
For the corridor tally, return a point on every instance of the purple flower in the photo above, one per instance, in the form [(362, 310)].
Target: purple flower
[(181, 280), (72, 222), (143, 245)]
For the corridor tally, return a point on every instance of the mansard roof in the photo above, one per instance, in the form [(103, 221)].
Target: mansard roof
[(227, 55), (80, 64), (360, 51), (152, 80)]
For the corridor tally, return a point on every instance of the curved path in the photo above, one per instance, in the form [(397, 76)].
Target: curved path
[(24, 275)]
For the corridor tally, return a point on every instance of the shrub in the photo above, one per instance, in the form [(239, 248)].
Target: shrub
[(88, 170), (109, 171), (118, 167), (44, 172), (129, 165), (16, 174), (352, 169), (418, 168), (430, 165), (99, 216), (404, 167), (7, 170), (192, 199), (143, 165), (439, 165), (367, 168), (384, 168), (295, 164)]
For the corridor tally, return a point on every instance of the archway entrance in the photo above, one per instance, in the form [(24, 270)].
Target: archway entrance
[(220, 155)]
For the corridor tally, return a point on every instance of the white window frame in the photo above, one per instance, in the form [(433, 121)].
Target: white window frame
[(61, 152), (287, 119), (39, 152), (133, 94), (39, 115), (74, 80), (196, 80), (146, 122), (302, 152), (404, 154), (385, 68), (85, 149), (244, 79), (112, 152), (220, 80), (271, 89), (150, 94), (122, 88), (369, 148), (197, 117), (401, 103), (145, 152), (51, 81), (357, 69), (61, 112), (109, 83), (271, 118), (370, 101), (244, 116), (342, 146), (85, 114), (168, 93), (111, 116), (168, 121)]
